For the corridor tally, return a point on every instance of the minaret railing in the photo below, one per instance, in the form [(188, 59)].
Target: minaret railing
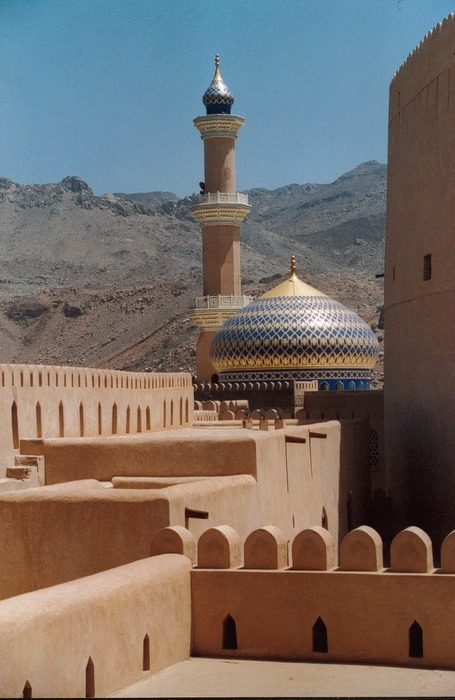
[(222, 198)]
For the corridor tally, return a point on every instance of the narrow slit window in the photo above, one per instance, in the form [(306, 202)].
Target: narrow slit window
[(229, 633), (415, 641), (426, 267), (320, 642)]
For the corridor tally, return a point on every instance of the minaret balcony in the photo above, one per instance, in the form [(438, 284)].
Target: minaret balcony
[(223, 198), (210, 312), (221, 208)]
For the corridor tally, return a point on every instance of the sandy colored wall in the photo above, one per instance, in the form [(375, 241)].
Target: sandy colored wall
[(60, 533), (186, 452), (47, 637), (419, 313), (66, 401), (367, 615), (221, 260)]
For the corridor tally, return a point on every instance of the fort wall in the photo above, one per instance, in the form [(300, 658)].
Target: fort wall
[(291, 478), (90, 637), (419, 289), (318, 614), (40, 401), (60, 533), (152, 613)]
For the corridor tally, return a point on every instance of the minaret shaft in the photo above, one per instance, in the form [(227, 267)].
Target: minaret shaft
[(219, 164), (221, 260)]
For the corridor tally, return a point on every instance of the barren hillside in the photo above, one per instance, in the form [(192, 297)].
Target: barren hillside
[(107, 281)]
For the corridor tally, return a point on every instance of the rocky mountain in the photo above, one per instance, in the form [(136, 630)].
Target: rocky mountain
[(107, 281)]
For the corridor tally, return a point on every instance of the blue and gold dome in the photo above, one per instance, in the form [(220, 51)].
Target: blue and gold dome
[(296, 332), (218, 99)]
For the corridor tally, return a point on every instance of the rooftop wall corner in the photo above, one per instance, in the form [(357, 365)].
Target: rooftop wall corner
[(174, 540)]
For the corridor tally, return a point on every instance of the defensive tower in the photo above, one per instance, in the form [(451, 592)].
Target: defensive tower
[(220, 210)]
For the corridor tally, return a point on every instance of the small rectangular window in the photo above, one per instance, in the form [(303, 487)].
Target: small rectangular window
[(426, 267)]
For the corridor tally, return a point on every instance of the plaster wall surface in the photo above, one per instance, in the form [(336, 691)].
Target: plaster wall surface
[(221, 260), (60, 533), (219, 164), (367, 615), (419, 285), (47, 637)]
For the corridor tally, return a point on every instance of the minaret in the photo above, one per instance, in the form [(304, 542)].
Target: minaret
[(220, 210)]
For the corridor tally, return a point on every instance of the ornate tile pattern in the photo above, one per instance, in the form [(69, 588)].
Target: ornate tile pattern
[(285, 334)]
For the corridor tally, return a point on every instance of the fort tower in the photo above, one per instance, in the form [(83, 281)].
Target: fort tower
[(220, 210)]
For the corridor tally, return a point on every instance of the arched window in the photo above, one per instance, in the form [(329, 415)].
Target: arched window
[(324, 386), (187, 411), (146, 653), (320, 642), (172, 412), (81, 420), (147, 418), (361, 386), (324, 519), (100, 419), (351, 386), (61, 420), (15, 425), (114, 419), (229, 633), (339, 386), (39, 423), (139, 420), (90, 679), (128, 419), (27, 691), (416, 641)]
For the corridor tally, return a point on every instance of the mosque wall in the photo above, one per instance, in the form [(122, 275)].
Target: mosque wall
[(90, 637), (419, 290), (40, 402)]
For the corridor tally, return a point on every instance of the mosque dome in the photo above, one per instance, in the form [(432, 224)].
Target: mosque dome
[(218, 99), (295, 331)]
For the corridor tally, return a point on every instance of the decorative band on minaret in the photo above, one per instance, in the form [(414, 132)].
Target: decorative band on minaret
[(220, 210)]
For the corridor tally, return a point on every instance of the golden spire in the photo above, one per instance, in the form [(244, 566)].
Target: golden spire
[(293, 265), (217, 75)]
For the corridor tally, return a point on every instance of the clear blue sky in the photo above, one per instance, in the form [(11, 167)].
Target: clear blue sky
[(108, 89)]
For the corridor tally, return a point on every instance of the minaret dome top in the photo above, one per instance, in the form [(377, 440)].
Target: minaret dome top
[(218, 99)]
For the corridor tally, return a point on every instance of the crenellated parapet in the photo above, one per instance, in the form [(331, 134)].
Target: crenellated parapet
[(43, 401), (314, 610)]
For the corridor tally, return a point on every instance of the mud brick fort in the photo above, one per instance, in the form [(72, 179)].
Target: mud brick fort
[(278, 508)]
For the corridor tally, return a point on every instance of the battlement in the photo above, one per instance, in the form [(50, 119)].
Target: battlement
[(312, 549), (40, 401), (447, 25), (249, 601)]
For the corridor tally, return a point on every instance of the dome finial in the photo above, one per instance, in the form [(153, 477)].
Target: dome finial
[(218, 99), (293, 265)]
